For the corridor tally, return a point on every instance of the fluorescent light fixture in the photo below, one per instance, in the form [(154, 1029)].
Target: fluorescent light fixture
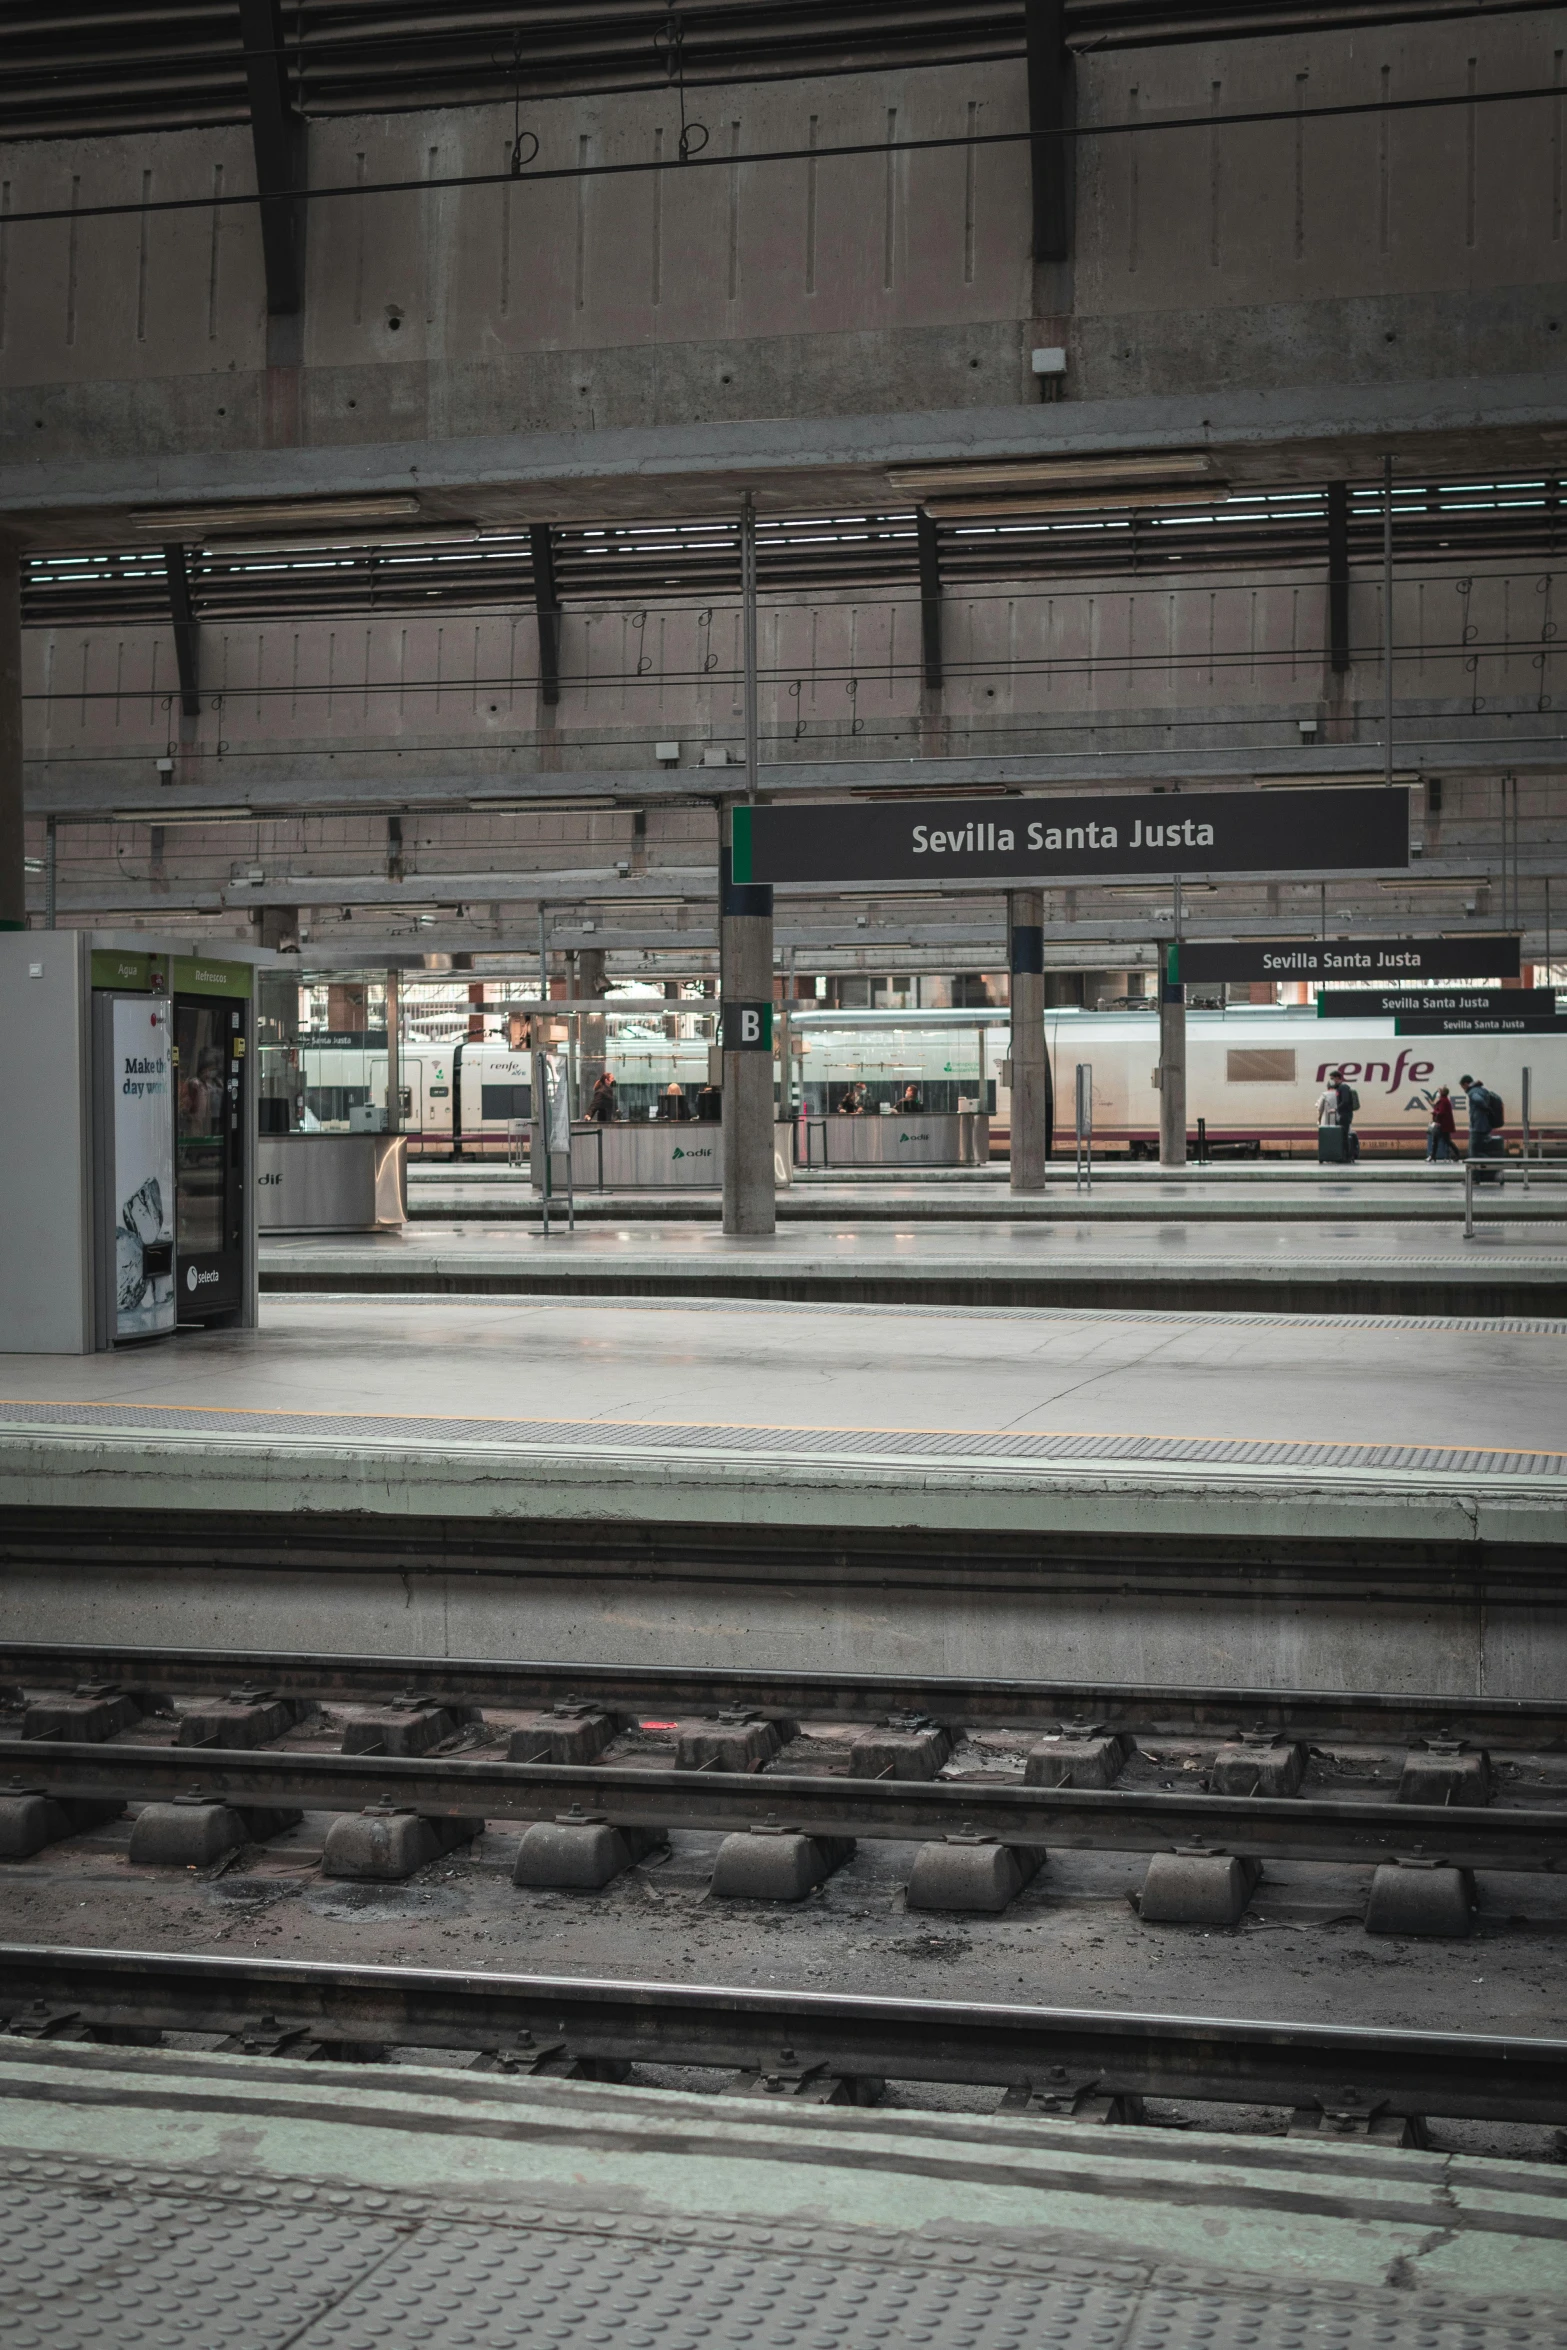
[(187, 522), (1031, 502), (185, 816), (1053, 473)]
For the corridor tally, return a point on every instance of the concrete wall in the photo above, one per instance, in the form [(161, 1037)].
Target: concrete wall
[(839, 674), (1363, 248)]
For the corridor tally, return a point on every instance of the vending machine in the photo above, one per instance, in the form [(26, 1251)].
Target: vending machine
[(212, 1122), (128, 1151)]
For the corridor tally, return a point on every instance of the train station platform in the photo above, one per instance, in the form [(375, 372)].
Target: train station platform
[(1338, 1264), (293, 2205), (1344, 1502), (1118, 1193)]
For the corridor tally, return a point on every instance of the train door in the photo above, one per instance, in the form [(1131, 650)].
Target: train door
[(211, 1041)]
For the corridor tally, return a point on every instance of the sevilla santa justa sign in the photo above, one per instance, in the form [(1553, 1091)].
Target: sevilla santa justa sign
[(1149, 834)]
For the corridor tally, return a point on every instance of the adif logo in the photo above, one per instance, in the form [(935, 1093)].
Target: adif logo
[(195, 1280)]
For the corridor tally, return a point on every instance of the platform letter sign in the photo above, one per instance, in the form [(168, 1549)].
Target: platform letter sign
[(1149, 835), (747, 1028)]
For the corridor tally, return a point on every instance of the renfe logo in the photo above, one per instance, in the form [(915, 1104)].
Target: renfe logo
[(1392, 1073)]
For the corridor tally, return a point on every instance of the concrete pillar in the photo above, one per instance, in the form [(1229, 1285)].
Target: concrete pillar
[(590, 982), (13, 867), (277, 927), (745, 953), (1030, 1143), (1172, 1058)]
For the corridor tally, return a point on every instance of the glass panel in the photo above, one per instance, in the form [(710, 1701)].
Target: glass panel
[(201, 1037)]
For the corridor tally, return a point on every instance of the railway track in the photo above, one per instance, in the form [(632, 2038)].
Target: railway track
[(825, 2046), (726, 1802), (408, 1785), (1530, 1725)]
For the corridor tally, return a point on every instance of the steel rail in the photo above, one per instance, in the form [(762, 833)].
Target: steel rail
[(1475, 2076), (1533, 1725), (1073, 1818)]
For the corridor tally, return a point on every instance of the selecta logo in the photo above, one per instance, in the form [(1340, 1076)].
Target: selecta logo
[(195, 1280)]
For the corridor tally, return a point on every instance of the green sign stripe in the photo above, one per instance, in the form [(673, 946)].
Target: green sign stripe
[(132, 974), (205, 975), (740, 859)]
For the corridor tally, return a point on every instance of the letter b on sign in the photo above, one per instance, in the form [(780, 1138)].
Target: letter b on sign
[(747, 1028)]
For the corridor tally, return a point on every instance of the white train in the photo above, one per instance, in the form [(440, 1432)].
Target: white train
[(1253, 1077)]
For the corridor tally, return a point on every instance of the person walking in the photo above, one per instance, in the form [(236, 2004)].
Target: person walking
[(603, 1108), (1439, 1135)]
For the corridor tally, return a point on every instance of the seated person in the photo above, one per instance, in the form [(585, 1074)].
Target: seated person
[(675, 1103), (912, 1102), (710, 1104), (852, 1105)]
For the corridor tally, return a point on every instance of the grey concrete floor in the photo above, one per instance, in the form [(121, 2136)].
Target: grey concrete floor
[(1328, 1379)]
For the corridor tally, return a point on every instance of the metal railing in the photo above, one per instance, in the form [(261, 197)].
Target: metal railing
[(1083, 1165)]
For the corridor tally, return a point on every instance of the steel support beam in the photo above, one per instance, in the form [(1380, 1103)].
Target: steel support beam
[(277, 136), (546, 603), (1338, 576), (1044, 23), (13, 866), (930, 597), (187, 651)]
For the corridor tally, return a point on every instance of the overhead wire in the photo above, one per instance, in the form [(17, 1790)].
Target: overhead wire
[(1143, 126)]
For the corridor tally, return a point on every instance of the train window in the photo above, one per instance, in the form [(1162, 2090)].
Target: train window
[(505, 1101), (1255, 1067)]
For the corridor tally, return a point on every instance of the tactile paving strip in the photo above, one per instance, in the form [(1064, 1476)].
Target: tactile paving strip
[(993, 1447), (151, 2260), (1428, 1325)]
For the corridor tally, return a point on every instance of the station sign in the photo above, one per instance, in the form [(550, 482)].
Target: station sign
[(1449, 1003), (1526, 1024), (1487, 956), (1141, 836)]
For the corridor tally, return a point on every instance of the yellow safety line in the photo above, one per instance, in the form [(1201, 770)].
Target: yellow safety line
[(798, 1428)]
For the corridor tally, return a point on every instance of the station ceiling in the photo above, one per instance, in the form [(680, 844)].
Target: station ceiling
[(301, 575), (84, 66)]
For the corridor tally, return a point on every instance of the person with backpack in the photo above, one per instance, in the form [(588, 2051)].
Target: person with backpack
[(1486, 1116), (1348, 1104)]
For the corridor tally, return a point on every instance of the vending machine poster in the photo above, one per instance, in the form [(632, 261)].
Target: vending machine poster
[(143, 1168)]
